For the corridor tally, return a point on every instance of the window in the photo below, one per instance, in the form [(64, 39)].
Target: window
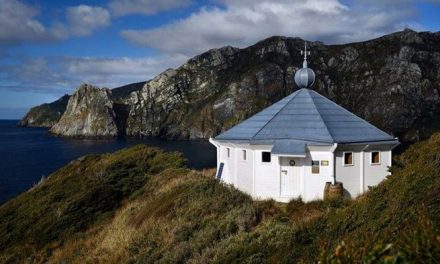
[(265, 156), (348, 158), (228, 152), (244, 154), (375, 157), (315, 166)]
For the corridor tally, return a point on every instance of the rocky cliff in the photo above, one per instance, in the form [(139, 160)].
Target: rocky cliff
[(45, 115), (90, 112), (392, 81)]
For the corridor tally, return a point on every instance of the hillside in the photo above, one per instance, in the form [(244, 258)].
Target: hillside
[(45, 115), (391, 82), (141, 205)]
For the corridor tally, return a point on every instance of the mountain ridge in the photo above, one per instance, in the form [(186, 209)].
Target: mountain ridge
[(390, 81)]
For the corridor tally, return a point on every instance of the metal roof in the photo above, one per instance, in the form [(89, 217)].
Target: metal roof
[(306, 115), (289, 147)]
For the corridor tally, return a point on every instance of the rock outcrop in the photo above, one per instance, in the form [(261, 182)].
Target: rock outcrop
[(45, 115), (392, 81), (89, 113)]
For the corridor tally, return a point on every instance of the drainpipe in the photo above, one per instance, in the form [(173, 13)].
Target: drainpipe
[(253, 172), (332, 150), (362, 169)]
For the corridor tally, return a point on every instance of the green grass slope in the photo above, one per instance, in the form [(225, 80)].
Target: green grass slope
[(82, 194), (148, 208)]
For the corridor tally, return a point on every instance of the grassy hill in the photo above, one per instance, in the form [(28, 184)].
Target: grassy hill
[(141, 205)]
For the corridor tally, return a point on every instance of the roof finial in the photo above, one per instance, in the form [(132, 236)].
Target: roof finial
[(305, 52), (305, 77)]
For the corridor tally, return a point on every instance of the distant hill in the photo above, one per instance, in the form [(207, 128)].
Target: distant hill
[(141, 205), (47, 115), (391, 81)]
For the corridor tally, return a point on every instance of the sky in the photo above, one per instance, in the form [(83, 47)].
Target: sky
[(48, 48)]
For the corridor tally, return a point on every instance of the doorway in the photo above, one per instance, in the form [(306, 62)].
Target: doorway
[(291, 177)]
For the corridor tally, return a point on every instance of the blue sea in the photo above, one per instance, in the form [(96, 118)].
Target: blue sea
[(27, 154)]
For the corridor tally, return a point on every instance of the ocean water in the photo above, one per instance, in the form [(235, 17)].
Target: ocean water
[(27, 154)]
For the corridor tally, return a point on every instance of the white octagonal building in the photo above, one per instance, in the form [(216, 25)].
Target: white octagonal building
[(293, 147)]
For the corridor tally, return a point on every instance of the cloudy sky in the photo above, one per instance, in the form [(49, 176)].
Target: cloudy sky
[(47, 48)]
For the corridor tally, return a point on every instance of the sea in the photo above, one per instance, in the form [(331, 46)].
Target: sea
[(28, 154)]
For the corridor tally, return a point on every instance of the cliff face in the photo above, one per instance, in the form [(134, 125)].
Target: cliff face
[(391, 81), (45, 115), (89, 113)]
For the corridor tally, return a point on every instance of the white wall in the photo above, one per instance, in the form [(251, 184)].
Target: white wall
[(244, 177), (237, 171), (349, 175), (262, 180), (267, 176), (354, 179), (375, 173), (229, 167), (314, 183)]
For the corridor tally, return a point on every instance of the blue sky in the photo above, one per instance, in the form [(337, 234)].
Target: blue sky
[(48, 48)]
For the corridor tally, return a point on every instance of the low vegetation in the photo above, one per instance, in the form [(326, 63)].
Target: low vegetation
[(142, 205), (45, 115)]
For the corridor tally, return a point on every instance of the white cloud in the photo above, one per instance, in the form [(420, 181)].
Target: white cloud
[(60, 75), (19, 23), (112, 72), (145, 7), (244, 22), (84, 19)]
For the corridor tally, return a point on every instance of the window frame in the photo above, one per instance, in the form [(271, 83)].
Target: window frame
[(343, 159), (262, 157), (371, 157), (315, 166)]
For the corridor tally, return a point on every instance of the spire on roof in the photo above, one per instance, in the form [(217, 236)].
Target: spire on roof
[(305, 77), (305, 52)]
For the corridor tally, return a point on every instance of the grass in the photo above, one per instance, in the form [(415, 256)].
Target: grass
[(142, 205), (82, 194)]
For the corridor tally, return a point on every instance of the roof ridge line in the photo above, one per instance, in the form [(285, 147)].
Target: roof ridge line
[(320, 117), (351, 113), (297, 139), (268, 121)]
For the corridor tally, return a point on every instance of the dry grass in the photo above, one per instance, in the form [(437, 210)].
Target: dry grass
[(185, 216)]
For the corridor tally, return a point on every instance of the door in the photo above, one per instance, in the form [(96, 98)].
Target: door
[(291, 177)]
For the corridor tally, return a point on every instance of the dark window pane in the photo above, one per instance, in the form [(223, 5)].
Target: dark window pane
[(375, 157), (265, 157), (315, 166), (348, 158)]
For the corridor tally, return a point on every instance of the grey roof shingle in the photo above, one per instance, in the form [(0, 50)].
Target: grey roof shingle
[(309, 116), (289, 147)]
